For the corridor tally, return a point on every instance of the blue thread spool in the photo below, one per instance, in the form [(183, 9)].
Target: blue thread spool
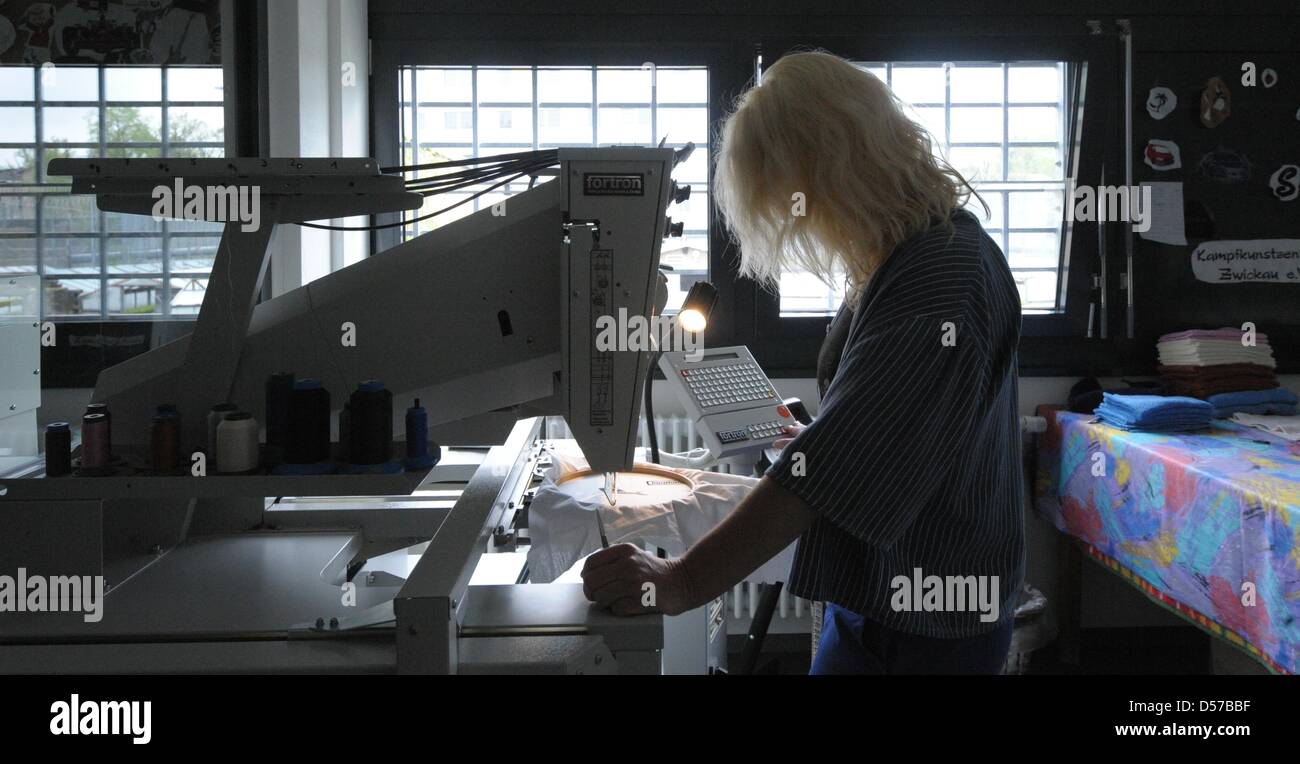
[(418, 455)]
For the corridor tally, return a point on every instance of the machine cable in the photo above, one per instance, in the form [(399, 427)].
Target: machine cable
[(504, 168)]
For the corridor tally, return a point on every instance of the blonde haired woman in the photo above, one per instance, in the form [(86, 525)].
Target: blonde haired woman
[(905, 493)]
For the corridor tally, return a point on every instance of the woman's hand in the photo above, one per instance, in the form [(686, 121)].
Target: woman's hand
[(791, 432), (629, 581)]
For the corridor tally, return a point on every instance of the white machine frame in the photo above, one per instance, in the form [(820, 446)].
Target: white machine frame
[(509, 342)]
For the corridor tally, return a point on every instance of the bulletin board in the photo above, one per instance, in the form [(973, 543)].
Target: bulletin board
[(1226, 172), (172, 32)]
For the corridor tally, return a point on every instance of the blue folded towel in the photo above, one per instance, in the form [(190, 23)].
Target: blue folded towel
[(1154, 413), (1278, 400)]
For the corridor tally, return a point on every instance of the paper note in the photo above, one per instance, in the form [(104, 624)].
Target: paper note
[(1274, 261), (1166, 214)]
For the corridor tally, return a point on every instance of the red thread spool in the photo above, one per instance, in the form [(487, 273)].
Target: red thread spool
[(102, 408), (164, 442), (94, 441)]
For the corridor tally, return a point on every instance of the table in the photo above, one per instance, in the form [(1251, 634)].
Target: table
[(1206, 524)]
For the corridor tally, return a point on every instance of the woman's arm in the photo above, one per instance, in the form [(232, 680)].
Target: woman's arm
[(629, 580)]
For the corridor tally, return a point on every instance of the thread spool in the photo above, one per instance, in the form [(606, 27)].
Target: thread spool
[(170, 410), (345, 428), (417, 437), (237, 446), (94, 442), (164, 442), (215, 415), (58, 449), (102, 408), (370, 421), (308, 437), (279, 394)]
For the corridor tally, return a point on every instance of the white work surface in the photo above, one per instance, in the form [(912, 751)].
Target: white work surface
[(218, 586)]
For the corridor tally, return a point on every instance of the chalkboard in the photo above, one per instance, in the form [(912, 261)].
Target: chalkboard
[(1227, 198)]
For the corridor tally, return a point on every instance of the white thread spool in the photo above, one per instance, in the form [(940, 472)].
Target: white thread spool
[(215, 416), (237, 446)]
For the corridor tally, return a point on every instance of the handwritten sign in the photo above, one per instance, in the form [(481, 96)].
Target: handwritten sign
[(1275, 261)]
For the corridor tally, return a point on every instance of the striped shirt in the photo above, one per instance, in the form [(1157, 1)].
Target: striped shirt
[(912, 465)]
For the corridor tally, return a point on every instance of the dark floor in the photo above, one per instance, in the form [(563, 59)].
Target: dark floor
[(1152, 650), (1160, 650)]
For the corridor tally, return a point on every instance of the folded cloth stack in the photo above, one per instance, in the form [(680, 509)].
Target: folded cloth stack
[(1154, 413), (1208, 347), (1204, 381), (1284, 426), (1205, 362), (1085, 395), (1279, 400)]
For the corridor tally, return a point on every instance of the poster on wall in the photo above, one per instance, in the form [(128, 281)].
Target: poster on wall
[(111, 32), (1275, 261)]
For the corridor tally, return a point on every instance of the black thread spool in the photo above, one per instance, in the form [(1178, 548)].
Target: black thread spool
[(345, 430), (371, 424), (58, 449), (94, 442), (308, 437), (164, 442), (279, 394), (102, 408)]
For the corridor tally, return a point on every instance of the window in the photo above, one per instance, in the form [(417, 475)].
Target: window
[(96, 264), (1002, 125), (477, 111)]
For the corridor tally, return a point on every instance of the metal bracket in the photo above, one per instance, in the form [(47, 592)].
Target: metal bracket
[(591, 225), (377, 616)]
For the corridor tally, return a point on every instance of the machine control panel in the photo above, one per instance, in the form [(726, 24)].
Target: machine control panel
[(736, 408)]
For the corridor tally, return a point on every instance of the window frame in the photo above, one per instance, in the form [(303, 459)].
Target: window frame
[(1050, 342), (43, 188), (747, 314)]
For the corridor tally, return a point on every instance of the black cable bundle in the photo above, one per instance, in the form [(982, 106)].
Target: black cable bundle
[(502, 168)]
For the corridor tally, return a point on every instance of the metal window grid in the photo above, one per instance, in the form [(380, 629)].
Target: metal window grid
[(414, 142), (41, 190), (1003, 186)]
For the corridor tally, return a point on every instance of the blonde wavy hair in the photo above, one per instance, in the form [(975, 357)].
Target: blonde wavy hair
[(820, 127)]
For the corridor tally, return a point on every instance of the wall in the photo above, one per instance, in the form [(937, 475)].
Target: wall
[(318, 63)]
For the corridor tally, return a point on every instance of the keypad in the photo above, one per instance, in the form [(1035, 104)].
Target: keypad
[(764, 430), (728, 384)]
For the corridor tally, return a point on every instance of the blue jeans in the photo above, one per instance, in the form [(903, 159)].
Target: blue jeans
[(852, 644)]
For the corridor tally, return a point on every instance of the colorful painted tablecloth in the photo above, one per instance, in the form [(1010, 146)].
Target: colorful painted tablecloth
[(1209, 521)]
